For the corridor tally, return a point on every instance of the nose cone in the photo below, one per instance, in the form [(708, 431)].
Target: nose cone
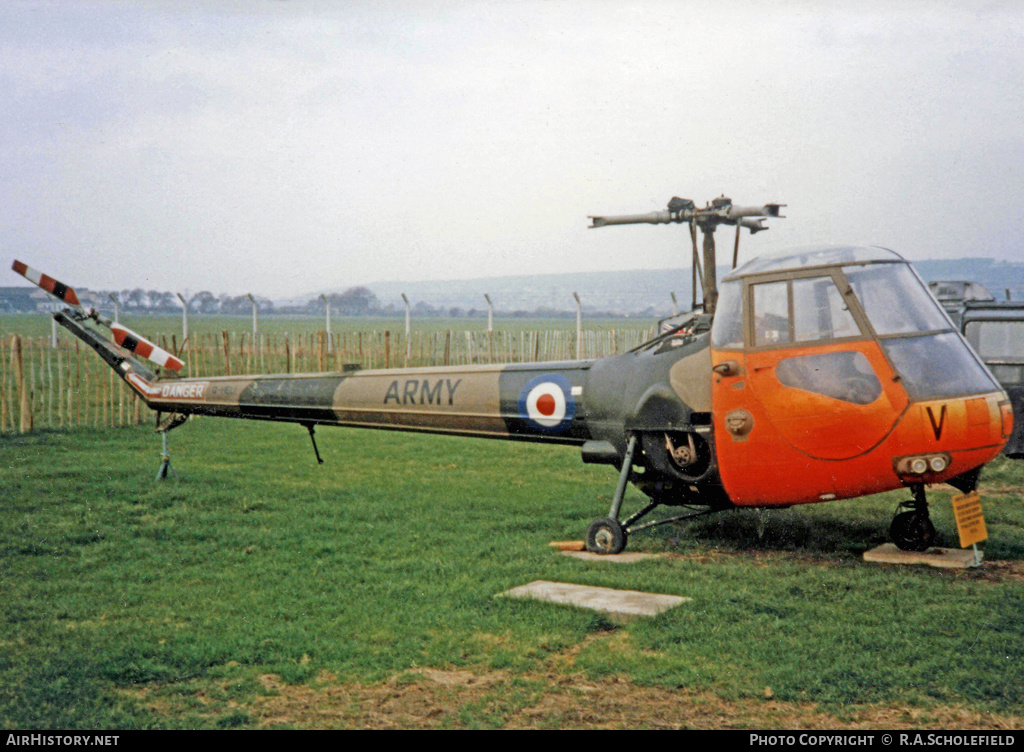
[(942, 439)]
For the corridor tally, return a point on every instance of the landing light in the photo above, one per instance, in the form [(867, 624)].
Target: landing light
[(927, 464)]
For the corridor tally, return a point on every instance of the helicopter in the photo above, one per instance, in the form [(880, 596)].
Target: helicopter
[(795, 381)]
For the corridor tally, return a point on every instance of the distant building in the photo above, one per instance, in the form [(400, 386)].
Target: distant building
[(24, 300), (952, 295), (996, 332)]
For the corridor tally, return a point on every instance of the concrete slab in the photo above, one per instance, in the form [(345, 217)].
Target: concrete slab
[(946, 558), (620, 605), (611, 558)]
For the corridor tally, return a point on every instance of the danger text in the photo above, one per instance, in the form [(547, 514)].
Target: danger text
[(182, 391)]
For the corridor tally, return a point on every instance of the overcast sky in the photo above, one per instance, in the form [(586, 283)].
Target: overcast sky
[(284, 147)]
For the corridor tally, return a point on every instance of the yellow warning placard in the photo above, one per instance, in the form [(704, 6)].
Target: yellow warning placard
[(970, 522)]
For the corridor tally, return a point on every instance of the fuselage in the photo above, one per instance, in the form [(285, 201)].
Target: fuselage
[(838, 375), (539, 402), (826, 375)]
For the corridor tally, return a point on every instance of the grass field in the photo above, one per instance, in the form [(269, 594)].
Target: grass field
[(260, 589)]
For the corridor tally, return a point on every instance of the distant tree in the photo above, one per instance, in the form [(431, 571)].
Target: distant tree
[(235, 304), (204, 302), (134, 298), (166, 301), (355, 301)]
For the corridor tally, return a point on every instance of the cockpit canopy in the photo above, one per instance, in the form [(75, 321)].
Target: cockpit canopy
[(811, 256), (823, 296)]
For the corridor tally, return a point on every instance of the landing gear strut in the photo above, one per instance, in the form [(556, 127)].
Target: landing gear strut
[(912, 528), (173, 422), (607, 535)]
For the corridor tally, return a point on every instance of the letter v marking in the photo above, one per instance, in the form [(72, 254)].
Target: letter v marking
[(937, 429)]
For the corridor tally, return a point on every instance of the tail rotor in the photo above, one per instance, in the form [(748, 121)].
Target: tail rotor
[(123, 336)]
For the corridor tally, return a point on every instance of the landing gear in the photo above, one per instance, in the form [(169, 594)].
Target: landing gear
[(606, 536), (165, 465), (173, 422), (912, 529)]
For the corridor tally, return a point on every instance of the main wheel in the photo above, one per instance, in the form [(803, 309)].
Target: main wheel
[(912, 531), (606, 536)]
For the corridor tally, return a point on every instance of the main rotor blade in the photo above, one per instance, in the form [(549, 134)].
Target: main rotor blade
[(48, 283), (139, 345)]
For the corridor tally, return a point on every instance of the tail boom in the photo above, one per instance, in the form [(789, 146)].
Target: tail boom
[(538, 402), (528, 402), (118, 359)]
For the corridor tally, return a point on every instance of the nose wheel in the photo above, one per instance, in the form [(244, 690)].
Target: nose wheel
[(912, 528)]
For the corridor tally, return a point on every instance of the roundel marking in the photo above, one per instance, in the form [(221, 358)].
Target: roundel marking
[(546, 403)]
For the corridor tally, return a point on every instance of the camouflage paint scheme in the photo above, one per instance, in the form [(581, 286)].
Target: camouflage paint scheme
[(688, 418), (602, 397)]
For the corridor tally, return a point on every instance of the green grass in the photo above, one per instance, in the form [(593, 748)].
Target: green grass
[(387, 559)]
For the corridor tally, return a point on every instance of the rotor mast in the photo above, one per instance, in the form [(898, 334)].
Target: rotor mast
[(719, 211)]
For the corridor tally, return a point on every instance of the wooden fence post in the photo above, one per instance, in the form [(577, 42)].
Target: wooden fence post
[(18, 366), (227, 352), (3, 388), (60, 389)]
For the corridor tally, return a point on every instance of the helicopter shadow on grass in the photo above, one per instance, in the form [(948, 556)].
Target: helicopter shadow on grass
[(775, 531)]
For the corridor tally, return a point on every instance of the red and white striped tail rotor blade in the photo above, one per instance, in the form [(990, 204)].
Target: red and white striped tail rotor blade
[(48, 283), (141, 346)]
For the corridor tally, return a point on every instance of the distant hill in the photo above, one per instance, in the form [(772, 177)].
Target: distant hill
[(645, 292), (997, 276), (635, 292)]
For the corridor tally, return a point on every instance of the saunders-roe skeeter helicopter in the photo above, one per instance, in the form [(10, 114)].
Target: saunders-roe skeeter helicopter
[(829, 373)]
